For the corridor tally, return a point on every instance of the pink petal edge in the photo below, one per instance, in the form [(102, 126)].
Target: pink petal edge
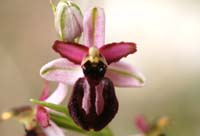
[(142, 124), (61, 70), (42, 116), (45, 91), (115, 51), (58, 95), (94, 27), (124, 75)]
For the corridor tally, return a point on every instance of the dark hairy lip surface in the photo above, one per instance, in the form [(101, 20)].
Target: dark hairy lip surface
[(93, 120)]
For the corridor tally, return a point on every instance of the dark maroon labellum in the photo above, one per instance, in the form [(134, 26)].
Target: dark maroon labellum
[(93, 106)]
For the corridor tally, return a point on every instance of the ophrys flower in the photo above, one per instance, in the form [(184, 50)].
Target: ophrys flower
[(93, 103), (153, 128)]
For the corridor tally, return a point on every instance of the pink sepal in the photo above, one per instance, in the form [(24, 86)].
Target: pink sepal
[(94, 27), (42, 116), (125, 75)]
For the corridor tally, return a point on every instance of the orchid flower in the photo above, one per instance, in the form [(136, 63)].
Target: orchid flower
[(154, 128), (36, 120), (94, 70)]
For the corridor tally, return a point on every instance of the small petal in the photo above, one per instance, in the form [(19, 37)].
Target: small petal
[(94, 27), (68, 21), (45, 92), (142, 124), (53, 130), (115, 51), (42, 116), (162, 122), (72, 51), (58, 95), (124, 75), (61, 70)]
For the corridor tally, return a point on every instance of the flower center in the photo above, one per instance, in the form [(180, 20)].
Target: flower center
[(94, 65), (94, 71)]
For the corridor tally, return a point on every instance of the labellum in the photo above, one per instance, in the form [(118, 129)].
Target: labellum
[(93, 103)]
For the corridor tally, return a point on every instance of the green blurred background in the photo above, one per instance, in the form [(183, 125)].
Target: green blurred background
[(167, 34)]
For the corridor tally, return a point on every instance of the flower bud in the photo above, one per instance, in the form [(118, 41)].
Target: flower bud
[(68, 21)]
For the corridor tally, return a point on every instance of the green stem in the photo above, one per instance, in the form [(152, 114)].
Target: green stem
[(59, 108)]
